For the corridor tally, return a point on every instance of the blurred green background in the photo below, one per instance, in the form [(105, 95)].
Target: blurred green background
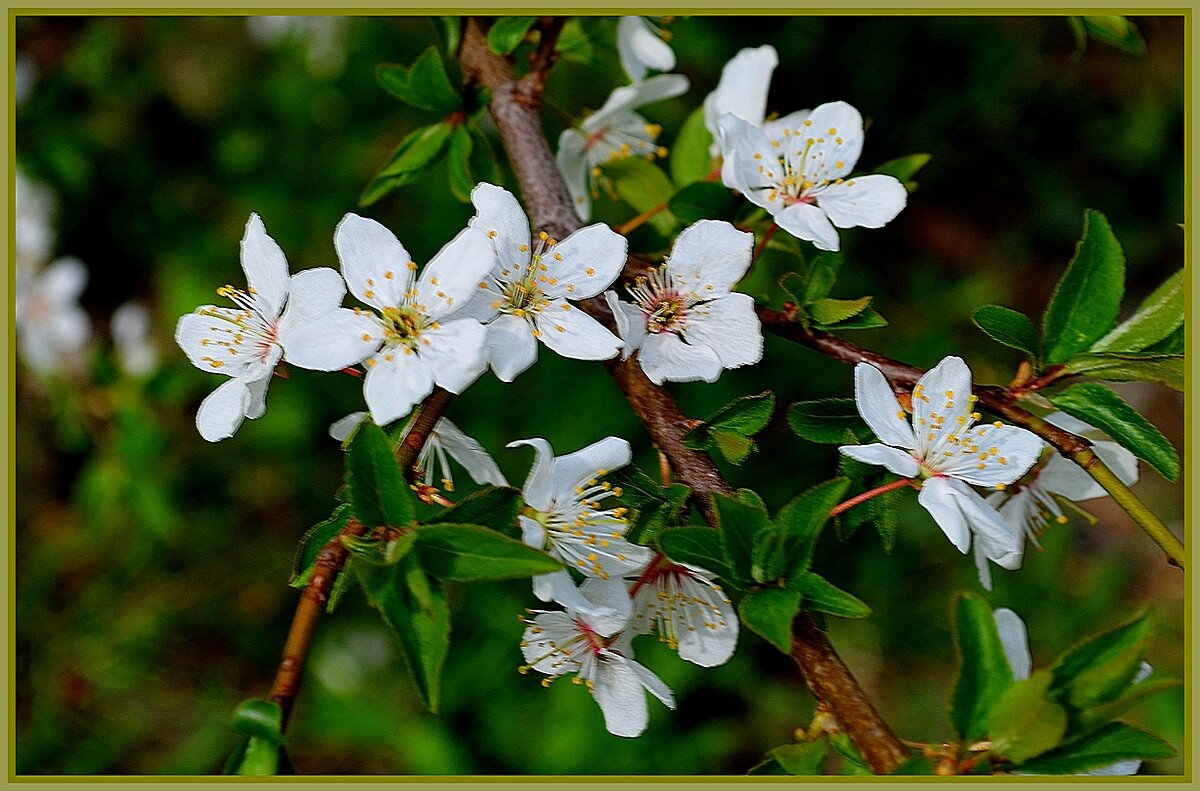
[(152, 566)]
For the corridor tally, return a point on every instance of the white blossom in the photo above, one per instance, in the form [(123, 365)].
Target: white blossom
[(742, 90), (135, 347), (52, 329), (944, 448), (641, 47), (690, 612), (798, 169), (558, 643), (686, 322), (613, 132), (524, 299)]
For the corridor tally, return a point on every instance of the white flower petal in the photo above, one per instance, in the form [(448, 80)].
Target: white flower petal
[(265, 266), (555, 628), (1015, 641), (332, 341), (877, 404), (223, 411), (836, 129), (709, 257), (456, 352), (946, 390), (467, 451), (498, 212), (570, 332), (742, 89), (863, 201), (343, 427), (664, 356), (895, 460), (936, 497), (774, 129), (573, 165), (730, 326), (538, 490), (751, 163), (451, 279), (1063, 476), (618, 691), (1116, 769), (591, 259), (368, 251), (653, 684), (810, 223), (256, 406), (393, 387), (630, 321), (197, 336), (596, 460), (1004, 547), (63, 281), (312, 293), (640, 48), (608, 605), (511, 346), (1016, 449), (983, 565)]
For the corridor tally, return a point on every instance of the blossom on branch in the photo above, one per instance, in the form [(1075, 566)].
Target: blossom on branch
[(686, 322), (798, 169), (558, 643), (524, 298), (690, 612), (943, 447), (613, 132)]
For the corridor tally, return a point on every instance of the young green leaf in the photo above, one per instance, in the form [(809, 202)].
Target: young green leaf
[(1158, 316), (1175, 343), (690, 160), (801, 521), (507, 33), (769, 612), (821, 277), (1009, 327), (483, 159), (904, 168), (804, 758), (1104, 409), (414, 606), (574, 44), (1087, 299), (644, 187), (827, 420), (450, 30), (260, 751), (832, 311), (703, 200), (1101, 668), (495, 507), (470, 552), (984, 671), (1131, 367), (262, 719), (821, 595), (698, 546), (1096, 716), (1023, 723), (869, 319), (652, 519), (343, 582), (312, 543), (739, 523), (1116, 31), (729, 430), (1114, 742), (768, 555), (424, 85), (379, 495), (461, 180), (415, 154)]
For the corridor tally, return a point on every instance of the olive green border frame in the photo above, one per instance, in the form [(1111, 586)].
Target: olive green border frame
[(599, 8)]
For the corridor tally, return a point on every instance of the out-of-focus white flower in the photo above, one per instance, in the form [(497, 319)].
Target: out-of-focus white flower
[(34, 208), (687, 323), (135, 347), (323, 36), (642, 47), (25, 75), (51, 326)]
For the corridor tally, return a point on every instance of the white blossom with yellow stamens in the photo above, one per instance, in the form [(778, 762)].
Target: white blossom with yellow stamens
[(558, 643), (245, 342), (524, 298), (945, 449), (686, 323), (613, 132), (415, 337), (799, 168), (690, 612)]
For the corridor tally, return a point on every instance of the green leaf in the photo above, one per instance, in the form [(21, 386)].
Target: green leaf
[(805, 758), (832, 311), (801, 521), (1158, 316), (1116, 31), (703, 200), (414, 606), (415, 154), (652, 519), (574, 44), (262, 719), (739, 523), (821, 277), (1087, 299), (312, 544), (1112, 743), (1131, 367), (1098, 715), (379, 495), (1107, 411), (342, 583), (483, 160), (469, 552), (916, 765), (495, 507), (461, 180), (1023, 723), (699, 546), (1009, 327), (1175, 343), (423, 85), (507, 33), (869, 319), (1101, 668), (904, 168), (984, 672), (690, 161), (644, 187), (827, 420), (730, 428), (450, 29), (821, 595), (769, 612), (260, 751)]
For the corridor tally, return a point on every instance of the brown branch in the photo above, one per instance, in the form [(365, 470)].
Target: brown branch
[(551, 209)]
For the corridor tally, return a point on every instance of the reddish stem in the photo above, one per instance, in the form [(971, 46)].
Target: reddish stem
[(900, 483), (762, 246)]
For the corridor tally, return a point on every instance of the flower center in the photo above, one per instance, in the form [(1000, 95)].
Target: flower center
[(237, 332), (402, 326), (665, 305)]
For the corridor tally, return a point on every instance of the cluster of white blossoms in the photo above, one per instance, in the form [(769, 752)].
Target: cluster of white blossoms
[(616, 131), (628, 589), (486, 299)]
